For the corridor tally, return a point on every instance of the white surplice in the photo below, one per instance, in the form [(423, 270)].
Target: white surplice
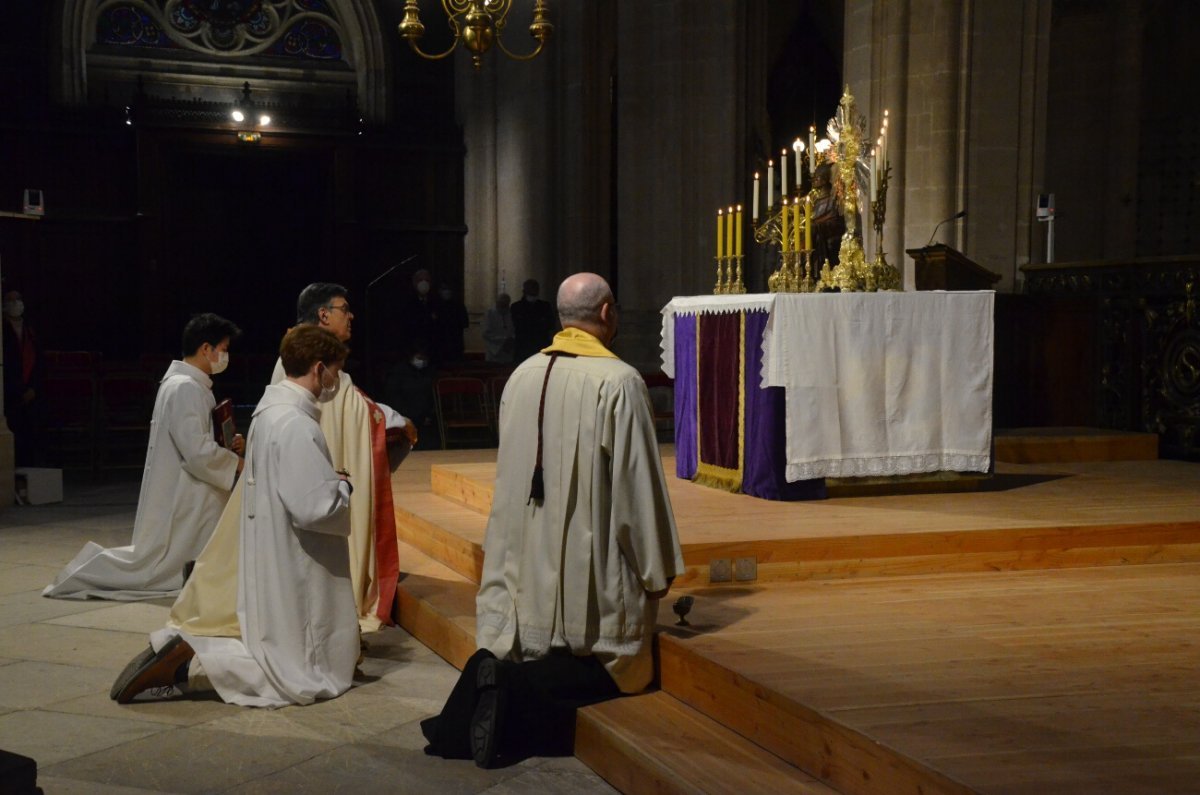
[(184, 488), (575, 571), (295, 606)]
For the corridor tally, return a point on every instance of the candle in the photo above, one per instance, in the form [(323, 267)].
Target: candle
[(874, 172), (808, 223), (783, 172), (796, 225), (754, 202), (729, 232), (770, 185), (812, 149), (720, 230), (783, 219), (737, 225), (798, 147)]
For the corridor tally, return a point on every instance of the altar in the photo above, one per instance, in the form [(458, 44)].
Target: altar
[(776, 392)]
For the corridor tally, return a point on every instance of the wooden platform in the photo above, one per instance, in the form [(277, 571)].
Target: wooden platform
[(1046, 445), (1062, 677)]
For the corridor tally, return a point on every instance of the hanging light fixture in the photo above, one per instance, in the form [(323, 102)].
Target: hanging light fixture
[(476, 24)]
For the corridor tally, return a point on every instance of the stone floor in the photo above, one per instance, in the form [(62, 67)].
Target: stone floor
[(59, 658)]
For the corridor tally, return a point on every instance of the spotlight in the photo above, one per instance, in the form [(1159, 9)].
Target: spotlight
[(264, 120), (237, 115)]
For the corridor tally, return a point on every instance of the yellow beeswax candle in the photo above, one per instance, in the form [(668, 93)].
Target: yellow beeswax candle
[(729, 232), (796, 224), (808, 223), (737, 225), (783, 219)]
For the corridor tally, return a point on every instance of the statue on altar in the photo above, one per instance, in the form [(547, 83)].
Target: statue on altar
[(828, 223)]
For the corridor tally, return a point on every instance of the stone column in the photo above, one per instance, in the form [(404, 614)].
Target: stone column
[(7, 478), (681, 143)]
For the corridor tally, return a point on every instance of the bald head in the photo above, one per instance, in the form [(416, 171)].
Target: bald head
[(585, 301)]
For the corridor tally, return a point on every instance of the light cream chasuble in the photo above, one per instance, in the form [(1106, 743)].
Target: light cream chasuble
[(573, 570)]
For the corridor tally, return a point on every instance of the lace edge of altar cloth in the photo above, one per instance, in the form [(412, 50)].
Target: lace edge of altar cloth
[(703, 305), (888, 465)]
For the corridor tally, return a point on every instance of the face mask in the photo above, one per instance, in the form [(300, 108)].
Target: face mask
[(328, 393), (221, 363), (423, 288), (419, 363), (531, 298), (14, 308), (445, 294)]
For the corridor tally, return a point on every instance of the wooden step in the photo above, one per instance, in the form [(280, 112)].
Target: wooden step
[(1044, 445), (436, 606), (837, 754), (654, 745), (957, 542), (445, 531)]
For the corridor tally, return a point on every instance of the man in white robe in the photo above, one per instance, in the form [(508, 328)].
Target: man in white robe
[(580, 545), (354, 428), (185, 484), (295, 606)]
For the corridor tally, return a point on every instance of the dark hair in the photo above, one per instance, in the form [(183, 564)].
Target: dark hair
[(314, 297), (531, 287), (208, 328), (303, 345)]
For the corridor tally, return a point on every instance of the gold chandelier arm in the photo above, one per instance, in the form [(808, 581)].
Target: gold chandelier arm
[(515, 56), (439, 56)]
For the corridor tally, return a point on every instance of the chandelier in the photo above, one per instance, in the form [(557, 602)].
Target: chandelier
[(476, 24)]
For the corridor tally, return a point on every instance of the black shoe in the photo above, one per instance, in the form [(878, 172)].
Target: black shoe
[(149, 670), (488, 720)]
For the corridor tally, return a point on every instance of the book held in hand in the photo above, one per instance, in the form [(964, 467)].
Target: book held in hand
[(223, 428)]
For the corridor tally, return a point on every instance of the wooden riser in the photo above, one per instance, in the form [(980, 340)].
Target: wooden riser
[(449, 530), (846, 759), (653, 744), (1045, 445)]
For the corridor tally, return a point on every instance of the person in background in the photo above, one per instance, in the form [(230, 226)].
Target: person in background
[(185, 484), (420, 313), (22, 380), (533, 322), (498, 331), (410, 389), (452, 321)]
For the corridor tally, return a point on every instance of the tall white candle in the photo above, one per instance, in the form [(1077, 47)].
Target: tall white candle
[(812, 149), (770, 185), (798, 147), (874, 172), (754, 201), (783, 172)]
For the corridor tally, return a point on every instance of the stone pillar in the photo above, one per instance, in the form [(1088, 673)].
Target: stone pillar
[(681, 139)]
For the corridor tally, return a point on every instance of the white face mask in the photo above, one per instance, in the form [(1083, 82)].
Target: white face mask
[(445, 294), (419, 363), (14, 308), (221, 363), (423, 287), (328, 393), (531, 298)]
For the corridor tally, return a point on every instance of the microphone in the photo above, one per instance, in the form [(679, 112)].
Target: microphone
[(955, 217), (404, 261)]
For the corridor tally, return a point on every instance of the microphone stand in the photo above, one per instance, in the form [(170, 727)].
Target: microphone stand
[(955, 217), (370, 346)]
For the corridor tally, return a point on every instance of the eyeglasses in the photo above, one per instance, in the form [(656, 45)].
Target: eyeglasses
[(344, 307)]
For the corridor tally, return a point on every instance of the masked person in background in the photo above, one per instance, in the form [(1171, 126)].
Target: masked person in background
[(22, 380)]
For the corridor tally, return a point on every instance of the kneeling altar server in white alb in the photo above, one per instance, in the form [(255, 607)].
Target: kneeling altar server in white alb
[(185, 484), (295, 605)]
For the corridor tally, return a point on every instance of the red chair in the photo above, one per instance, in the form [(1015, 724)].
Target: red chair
[(461, 406), (662, 398)]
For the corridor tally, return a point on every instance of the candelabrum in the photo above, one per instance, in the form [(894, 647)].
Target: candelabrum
[(794, 274), (886, 275), (729, 276)]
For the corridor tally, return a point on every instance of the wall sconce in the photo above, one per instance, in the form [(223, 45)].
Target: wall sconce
[(476, 24), (242, 110)]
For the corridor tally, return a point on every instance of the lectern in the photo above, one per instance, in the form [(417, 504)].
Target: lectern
[(939, 267)]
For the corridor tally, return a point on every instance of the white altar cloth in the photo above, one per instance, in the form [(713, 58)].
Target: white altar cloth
[(876, 383)]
